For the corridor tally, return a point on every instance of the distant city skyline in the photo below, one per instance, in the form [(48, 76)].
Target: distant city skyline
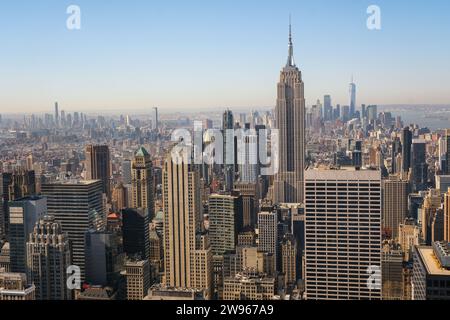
[(222, 54)]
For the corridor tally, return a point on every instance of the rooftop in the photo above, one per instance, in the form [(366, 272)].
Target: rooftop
[(345, 173), (431, 262)]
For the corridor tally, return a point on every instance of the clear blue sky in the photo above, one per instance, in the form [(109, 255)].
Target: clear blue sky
[(218, 53)]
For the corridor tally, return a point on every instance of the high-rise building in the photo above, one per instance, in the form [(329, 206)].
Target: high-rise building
[(408, 235), (48, 257), (98, 166), (17, 184), (57, 122), (142, 181), (447, 216), (431, 204), (352, 91), (289, 260), (395, 204), (187, 252), (78, 206), (155, 119), (14, 286), (250, 201), (327, 108), (5, 258), (23, 215), (419, 165), (342, 233), (406, 140), (431, 273), (126, 172), (225, 222), (392, 273), (290, 121), (119, 197), (248, 156), (137, 273), (135, 230), (447, 151), (268, 233), (228, 149)]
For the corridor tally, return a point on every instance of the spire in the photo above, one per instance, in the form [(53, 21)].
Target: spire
[(290, 61)]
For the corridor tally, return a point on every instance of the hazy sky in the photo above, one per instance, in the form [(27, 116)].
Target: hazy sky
[(218, 53)]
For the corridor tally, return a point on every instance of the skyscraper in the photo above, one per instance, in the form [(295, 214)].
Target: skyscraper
[(268, 233), (419, 165), (98, 166), (142, 181), (395, 204), (447, 152), (137, 273), (48, 257), (78, 206), (187, 253), (343, 233), (57, 122), (327, 108), (135, 230), (352, 91), (24, 213), (225, 222), (447, 216), (406, 149), (155, 119), (228, 149), (290, 121)]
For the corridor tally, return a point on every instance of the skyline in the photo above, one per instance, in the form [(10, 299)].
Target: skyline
[(126, 57)]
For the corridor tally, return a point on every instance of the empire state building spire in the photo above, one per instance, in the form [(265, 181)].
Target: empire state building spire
[(290, 61)]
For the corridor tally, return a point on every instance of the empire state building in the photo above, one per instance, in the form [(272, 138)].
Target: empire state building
[(290, 121)]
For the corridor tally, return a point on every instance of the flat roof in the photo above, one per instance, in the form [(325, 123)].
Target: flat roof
[(347, 173), (431, 262)]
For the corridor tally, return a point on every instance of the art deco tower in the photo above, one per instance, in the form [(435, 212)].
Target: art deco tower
[(290, 120)]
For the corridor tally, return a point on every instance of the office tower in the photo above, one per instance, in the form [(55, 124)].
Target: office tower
[(289, 260), (327, 108), (352, 91), (142, 181), (247, 238), (248, 259), (126, 172), (395, 204), (249, 287), (442, 183), (431, 272), (104, 257), (342, 233), (98, 166), (419, 165), (187, 253), (268, 233), (23, 215), (392, 272), (437, 226), (357, 155), (225, 222), (228, 149), (406, 149), (135, 230), (137, 273), (447, 151), (30, 162), (78, 206), (447, 216), (372, 113), (156, 255), (396, 149), (5, 260), (155, 119), (119, 197), (290, 120), (431, 203), (15, 185), (409, 234), (14, 286), (248, 156), (250, 201), (48, 257), (57, 122)]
